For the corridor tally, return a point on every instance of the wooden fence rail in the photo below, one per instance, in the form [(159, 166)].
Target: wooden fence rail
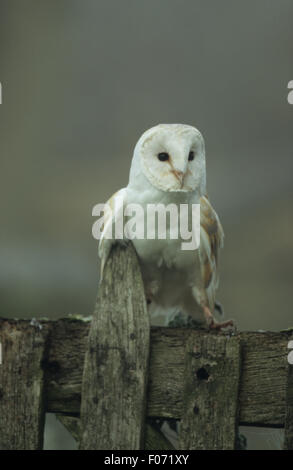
[(115, 371)]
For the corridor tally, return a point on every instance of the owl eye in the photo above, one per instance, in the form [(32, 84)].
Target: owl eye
[(163, 156), (191, 156)]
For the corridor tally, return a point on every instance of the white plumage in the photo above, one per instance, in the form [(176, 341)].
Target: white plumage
[(168, 166)]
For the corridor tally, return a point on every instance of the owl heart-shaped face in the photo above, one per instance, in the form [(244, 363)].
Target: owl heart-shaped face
[(172, 157)]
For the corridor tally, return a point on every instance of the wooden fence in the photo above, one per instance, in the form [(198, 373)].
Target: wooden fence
[(109, 378)]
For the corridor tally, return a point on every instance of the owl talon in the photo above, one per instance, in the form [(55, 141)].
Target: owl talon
[(221, 325), (213, 324)]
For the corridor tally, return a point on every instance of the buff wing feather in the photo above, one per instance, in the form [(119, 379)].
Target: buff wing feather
[(212, 240)]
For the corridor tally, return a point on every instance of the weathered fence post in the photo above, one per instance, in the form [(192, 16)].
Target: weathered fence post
[(113, 400), (22, 407), (210, 401)]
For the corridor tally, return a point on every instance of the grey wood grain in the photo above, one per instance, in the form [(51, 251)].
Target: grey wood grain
[(211, 383), (115, 375), (288, 441), (22, 406)]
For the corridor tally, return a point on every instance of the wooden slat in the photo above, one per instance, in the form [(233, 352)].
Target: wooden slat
[(211, 384), (167, 367), (264, 379), (288, 442), (154, 439), (115, 373), (22, 385), (263, 383), (64, 365)]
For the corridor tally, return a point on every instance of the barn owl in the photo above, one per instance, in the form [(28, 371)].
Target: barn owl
[(168, 166)]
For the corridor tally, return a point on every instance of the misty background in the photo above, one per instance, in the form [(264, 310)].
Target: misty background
[(82, 80)]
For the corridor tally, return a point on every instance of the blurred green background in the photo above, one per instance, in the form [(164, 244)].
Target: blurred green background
[(82, 79)]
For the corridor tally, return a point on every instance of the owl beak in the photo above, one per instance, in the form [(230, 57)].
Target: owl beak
[(179, 175)]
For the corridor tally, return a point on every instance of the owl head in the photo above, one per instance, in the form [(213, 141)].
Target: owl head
[(172, 158)]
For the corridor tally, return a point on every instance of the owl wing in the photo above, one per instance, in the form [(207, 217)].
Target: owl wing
[(211, 241), (113, 210)]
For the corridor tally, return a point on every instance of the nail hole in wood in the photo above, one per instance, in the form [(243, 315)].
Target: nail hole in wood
[(202, 374)]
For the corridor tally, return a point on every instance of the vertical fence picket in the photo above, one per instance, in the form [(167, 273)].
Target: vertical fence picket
[(212, 376), (22, 385), (115, 376)]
